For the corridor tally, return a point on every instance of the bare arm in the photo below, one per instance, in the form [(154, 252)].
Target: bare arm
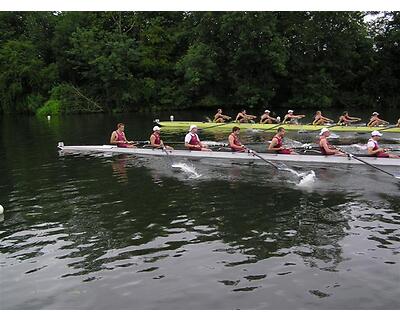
[(113, 139), (273, 144), (326, 148)]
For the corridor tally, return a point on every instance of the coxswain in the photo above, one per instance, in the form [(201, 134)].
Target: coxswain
[(220, 118), (243, 117), (325, 147), (373, 147), (234, 142), (155, 139), (291, 118), (376, 121), (118, 138), (319, 119), (277, 143), (192, 140), (266, 118), (345, 119)]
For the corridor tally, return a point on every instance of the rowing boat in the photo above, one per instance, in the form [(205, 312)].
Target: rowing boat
[(235, 156), (184, 125)]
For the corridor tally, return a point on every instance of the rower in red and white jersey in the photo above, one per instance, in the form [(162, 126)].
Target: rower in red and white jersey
[(192, 140), (325, 147), (234, 142), (118, 138), (345, 119), (155, 139), (277, 143), (374, 149)]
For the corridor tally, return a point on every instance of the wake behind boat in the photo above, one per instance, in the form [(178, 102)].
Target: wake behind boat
[(235, 156)]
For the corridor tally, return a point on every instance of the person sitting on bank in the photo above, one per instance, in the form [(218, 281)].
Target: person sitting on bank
[(243, 117), (291, 118), (192, 140), (277, 143), (118, 138), (234, 142), (373, 147), (376, 121), (345, 119), (319, 119), (155, 139), (325, 147), (220, 118), (266, 118)]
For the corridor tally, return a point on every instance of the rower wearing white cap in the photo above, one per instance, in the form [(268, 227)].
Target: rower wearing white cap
[(292, 118), (374, 149), (266, 118), (192, 140), (376, 121), (155, 139), (325, 147)]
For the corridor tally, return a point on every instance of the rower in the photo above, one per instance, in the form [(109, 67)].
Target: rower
[(374, 149), (345, 119), (234, 142), (319, 119), (326, 148), (192, 140), (220, 118), (266, 118), (277, 143), (155, 139), (243, 117), (398, 123), (376, 121), (118, 138), (291, 118)]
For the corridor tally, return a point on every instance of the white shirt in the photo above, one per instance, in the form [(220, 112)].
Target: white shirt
[(371, 143), (188, 137)]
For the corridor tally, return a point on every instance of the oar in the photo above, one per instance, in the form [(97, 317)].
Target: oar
[(328, 127), (388, 127), (260, 157), (216, 125), (371, 165)]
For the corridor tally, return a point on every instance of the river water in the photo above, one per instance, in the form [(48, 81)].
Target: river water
[(102, 232)]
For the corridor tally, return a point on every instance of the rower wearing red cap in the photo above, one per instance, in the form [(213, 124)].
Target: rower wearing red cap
[(374, 149), (277, 143)]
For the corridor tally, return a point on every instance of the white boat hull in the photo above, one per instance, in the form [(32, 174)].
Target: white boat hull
[(237, 156)]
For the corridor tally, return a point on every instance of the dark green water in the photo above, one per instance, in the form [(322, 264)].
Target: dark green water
[(100, 232)]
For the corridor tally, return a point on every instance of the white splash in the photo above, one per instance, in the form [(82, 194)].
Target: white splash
[(189, 169), (359, 146), (307, 180)]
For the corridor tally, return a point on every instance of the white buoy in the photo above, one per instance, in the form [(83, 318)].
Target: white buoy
[(171, 117), (1, 209), (48, 118)]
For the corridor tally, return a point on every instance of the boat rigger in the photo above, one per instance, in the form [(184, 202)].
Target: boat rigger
[(234, 156), (183, 125)]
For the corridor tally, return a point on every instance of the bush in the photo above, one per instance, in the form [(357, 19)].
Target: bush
[(51, 107)]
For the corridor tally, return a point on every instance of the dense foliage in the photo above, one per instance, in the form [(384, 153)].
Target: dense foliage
[(68, 62)]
